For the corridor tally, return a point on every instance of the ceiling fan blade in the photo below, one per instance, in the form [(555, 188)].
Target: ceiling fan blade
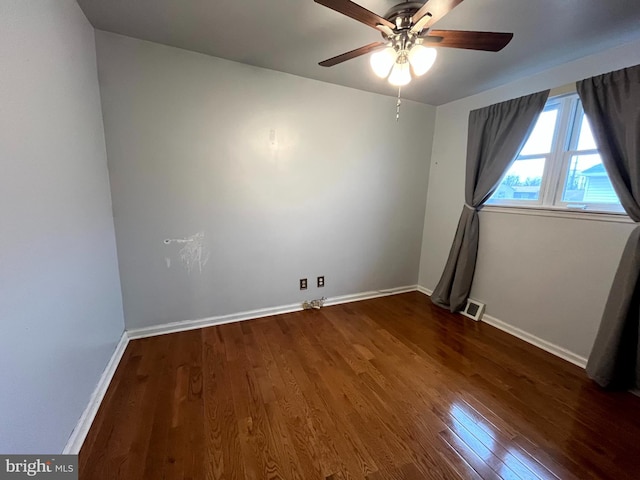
[(436, 8), (352, 54), (487, 41), (356, 12)]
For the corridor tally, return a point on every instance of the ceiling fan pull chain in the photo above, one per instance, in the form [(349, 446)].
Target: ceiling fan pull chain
[(398, 105)]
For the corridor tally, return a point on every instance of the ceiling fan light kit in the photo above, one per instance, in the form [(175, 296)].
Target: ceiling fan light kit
[(397, 61), (422, 59), (400, 74), (382, 61), (404, 29)]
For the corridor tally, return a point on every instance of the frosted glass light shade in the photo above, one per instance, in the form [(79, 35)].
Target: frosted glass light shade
[(400, 74), (382, 61), (421, 59)]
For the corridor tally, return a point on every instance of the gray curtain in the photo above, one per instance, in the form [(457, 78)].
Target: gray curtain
[(612, 105), (496, 134)]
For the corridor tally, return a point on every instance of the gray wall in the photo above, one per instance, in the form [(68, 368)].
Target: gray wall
[(286, 178), (547, 276), (60, 301)]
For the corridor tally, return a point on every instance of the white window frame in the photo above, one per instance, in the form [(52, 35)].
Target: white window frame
[(556, 165)]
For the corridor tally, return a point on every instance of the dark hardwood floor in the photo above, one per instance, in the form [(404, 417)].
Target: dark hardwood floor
[(387, 388)]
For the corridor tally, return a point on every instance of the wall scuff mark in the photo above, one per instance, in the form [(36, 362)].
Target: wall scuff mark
[(193, 252)]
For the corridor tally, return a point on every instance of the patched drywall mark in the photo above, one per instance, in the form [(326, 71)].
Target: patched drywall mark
[(193, 252)]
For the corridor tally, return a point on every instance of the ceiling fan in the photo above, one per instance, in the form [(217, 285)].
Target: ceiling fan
[(409, 38)]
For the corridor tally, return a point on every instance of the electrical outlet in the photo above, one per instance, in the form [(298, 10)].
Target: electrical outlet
[(321, 281), (303, 284)]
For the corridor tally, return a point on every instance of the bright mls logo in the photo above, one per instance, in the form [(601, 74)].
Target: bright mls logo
[(57, 467)]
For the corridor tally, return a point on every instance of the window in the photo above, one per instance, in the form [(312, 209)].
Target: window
[(559, 165)]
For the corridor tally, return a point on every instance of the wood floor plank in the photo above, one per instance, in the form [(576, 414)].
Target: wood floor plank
[(157, 456), (470, 456), (258, 450), (388, 388), (222, 439), (152, 365), (298, 380), (492, 443), (294, 426)]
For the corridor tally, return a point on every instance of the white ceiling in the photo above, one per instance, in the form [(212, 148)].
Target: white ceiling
[(294, 35)]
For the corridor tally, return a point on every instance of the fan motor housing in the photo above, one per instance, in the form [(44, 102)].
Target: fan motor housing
[(404, 11)]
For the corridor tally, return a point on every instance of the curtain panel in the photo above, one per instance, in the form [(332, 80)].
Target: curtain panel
[(612, 105), (496, 134)]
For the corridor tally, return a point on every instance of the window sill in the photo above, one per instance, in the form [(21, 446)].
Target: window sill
[(559, 213)]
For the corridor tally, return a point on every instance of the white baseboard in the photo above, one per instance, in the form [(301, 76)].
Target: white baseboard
[(86, 419), (424, 290), (252, 314), (184, 325), (537, 341), (356, 297), (527, 337)]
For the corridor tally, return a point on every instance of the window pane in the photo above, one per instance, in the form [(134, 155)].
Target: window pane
[(541, 137), (522, 181), (588, 182), (585, 139)]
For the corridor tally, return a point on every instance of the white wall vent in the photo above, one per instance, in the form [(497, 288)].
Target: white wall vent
[(473, 310)]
